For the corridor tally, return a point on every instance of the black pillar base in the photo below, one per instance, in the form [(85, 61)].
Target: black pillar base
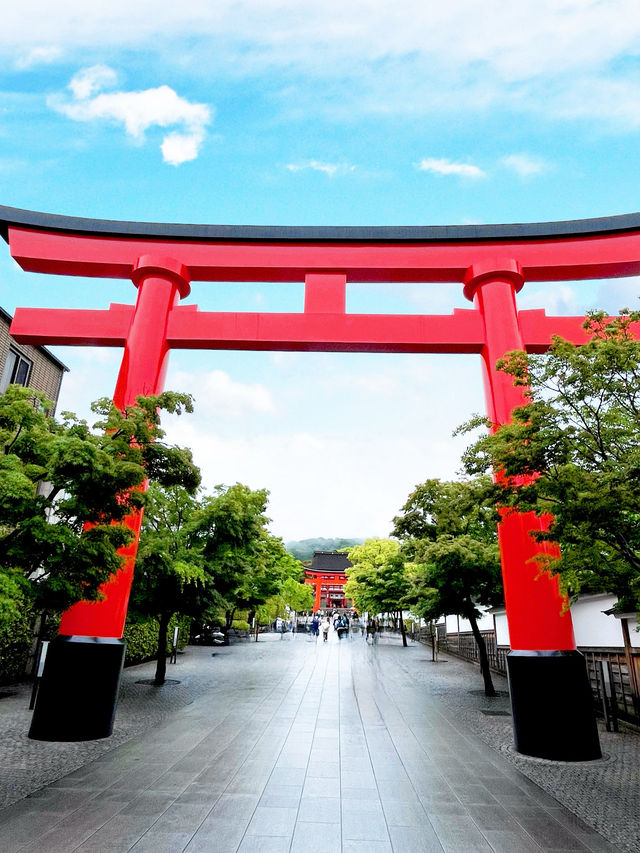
[(78, 692), (553, 713)]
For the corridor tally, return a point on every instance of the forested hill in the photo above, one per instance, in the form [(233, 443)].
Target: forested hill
[(304, 548)]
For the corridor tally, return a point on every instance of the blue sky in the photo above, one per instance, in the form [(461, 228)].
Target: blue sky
[(291, 112)]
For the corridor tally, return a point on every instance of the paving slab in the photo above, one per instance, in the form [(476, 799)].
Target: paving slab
[(287, 745)]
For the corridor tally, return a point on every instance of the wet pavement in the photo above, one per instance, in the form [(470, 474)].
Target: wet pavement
[(289, 745)]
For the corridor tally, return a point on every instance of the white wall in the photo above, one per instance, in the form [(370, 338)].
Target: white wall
[(485, 623), (591, 626), (502, 628)]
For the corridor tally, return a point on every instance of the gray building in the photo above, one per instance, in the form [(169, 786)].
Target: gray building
[(22, 364)]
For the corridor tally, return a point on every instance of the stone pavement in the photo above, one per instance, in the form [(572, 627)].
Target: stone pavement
[(288, 745)]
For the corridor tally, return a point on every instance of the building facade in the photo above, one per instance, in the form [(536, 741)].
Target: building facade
[(326, 575), (32, 366)]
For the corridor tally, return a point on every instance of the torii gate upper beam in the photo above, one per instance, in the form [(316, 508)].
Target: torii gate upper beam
[(558, 251)]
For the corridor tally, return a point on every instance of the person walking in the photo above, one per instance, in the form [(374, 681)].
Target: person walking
[(325, 627)]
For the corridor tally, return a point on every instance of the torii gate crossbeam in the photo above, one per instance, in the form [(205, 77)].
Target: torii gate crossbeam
[(491, 262)]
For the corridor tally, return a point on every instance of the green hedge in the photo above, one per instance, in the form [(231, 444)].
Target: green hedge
[(15, 643), (141, 636), (16, 635)]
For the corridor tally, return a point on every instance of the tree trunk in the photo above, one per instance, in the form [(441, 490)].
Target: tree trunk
[(403, 630), (489, 689), (252, 618), (434, 641), (161, 656), (228, 621)]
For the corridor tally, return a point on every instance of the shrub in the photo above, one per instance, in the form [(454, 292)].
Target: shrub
[(15, 644), (141, 636)]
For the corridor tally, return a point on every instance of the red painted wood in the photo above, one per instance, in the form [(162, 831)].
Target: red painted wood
[(457, 332), (325, 293), (72, 326), (142, 372), (537, 613), (551, 259)]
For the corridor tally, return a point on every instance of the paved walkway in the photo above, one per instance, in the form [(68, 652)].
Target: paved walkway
[(290, 746)]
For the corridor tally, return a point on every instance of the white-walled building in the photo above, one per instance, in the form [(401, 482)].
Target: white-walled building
[(594, 626)]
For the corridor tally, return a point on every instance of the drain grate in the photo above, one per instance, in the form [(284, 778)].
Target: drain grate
[(496, 713)]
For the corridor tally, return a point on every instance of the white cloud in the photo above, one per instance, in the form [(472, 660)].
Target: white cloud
[(217, 395), (38, 56), (330, 169), (533, 54), (518, 40), (92, 374), (616, 99), (557, 298), (181, 147), (137, 111), (326, 483), (446, 167), (338, 456), (88, 81), (615, 294), (524, 165)]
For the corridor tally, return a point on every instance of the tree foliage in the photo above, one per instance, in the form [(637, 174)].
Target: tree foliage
[(285, 574), (377, 580), (450, 538), (201, 555), (57, 475), (292, 593), (229, 529), (169, 577), (437, 507), (572, 450), (245, 563)]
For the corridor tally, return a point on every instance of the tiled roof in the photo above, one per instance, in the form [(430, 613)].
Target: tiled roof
[(329, 561)]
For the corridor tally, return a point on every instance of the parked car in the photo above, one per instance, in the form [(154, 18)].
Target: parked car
[(208, 636)]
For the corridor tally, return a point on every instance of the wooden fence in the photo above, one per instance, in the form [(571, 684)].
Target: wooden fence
[(614, 674)]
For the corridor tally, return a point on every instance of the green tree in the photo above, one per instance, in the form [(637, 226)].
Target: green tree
[(572, 450), (65, 489), (453, 558), (377, 580), (438, 507), (292, 593), (296, 594), (229, 529), (263, 581), (170, 577)]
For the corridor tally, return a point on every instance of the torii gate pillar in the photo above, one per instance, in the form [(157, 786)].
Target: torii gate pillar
[(547, 676), (85, 661)]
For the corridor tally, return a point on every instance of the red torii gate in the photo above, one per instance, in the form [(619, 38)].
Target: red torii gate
[(492, 262)]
